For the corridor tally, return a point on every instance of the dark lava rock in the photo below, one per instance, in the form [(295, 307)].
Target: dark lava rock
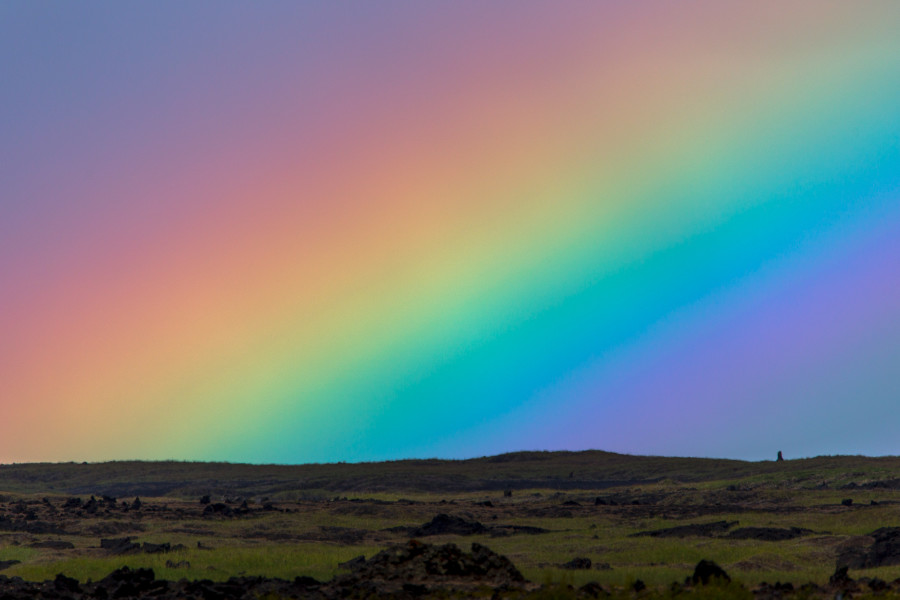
[(218, 509), (847, 502), (30, 526), (119, 545), (129, 583), (768, 534), (773, 590), (66, 584), (72, 503), (5, 564), (149, 548), (91, 506), (876, 584), (571, 503), (698, 530), (577, 563), (136, 505), (354, 563), (53, 545), (305, 582), (885, 550), (444, 524), (706, 571), (205, 500), (592, 589), (840, 578), (428, 564), (638, 586)]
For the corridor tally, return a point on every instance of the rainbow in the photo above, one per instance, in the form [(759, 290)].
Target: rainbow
[(296, 233)]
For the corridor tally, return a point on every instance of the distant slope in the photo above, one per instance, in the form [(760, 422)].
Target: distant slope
[(586, 470)]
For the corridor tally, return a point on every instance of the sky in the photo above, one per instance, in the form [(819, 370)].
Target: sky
[(290, 232)]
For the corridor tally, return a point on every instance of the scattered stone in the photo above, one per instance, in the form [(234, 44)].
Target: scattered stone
[(218, 509), (578, 563), (847, 502), (181, 564), (444, 524), (592, 589), (773, 590), (877, 585)]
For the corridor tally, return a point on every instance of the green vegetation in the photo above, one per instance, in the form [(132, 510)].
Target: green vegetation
[(327, 514)]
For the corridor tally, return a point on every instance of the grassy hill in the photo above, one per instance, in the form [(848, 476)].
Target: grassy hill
[(588, 470)]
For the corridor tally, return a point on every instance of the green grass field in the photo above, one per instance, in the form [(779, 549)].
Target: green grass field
[(325, 515)]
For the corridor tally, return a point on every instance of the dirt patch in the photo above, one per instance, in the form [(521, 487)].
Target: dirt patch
[(340, 535), (764, 562)]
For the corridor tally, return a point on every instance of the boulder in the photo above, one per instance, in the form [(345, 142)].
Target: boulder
[(707, 571)]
